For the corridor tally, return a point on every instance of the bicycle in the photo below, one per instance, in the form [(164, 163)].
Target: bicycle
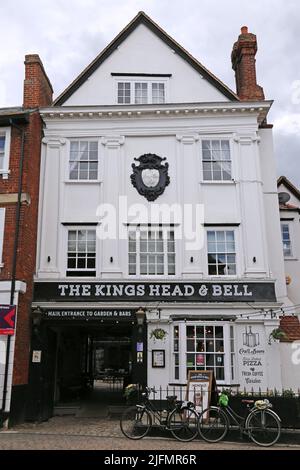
[(261, 424), (180, 418)]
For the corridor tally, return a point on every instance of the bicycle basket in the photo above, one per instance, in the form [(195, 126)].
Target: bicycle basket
[(262, 404), (223, 399)]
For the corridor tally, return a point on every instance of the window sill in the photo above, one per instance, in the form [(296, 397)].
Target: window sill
[(82, 181), (290, 258), (5, 174), (209, 182)]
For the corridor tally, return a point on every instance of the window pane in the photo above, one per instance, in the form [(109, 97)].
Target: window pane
[(216, 160)]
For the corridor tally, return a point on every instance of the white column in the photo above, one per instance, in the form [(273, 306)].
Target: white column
[(252, 213), (50, 211), (112, 189), (189, 196)]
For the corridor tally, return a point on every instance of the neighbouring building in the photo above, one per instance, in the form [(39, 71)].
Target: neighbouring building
[(289, 205), (145, 128), (20, 147)]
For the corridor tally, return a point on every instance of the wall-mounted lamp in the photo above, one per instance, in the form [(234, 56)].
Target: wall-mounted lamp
[(254, 259), (140, 318), (111, 259), (36, 316), (192, 259), (48, 259)]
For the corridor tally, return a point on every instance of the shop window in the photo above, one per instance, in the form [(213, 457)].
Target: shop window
[(83, 164), (176, 351), (221, 253), (81, 252), (151, 251), (205, 349)]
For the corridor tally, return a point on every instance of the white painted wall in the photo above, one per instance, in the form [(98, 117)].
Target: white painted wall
[(271, 214), (290, 365), (144, 52), (292, 263), (179, 140)]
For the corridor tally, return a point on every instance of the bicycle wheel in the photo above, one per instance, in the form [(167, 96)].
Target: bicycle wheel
[(213, 424), (263, 427), (183, 424), (135, 422)]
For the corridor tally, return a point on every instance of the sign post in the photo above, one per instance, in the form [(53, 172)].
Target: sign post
[(199, 388)]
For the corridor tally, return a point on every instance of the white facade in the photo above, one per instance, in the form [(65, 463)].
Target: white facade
[(193, 112)]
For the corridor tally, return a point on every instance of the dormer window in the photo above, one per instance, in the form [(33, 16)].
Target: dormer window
[(141, 92)]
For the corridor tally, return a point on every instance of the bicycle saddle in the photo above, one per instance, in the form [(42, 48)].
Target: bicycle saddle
[(171, 397), (248, 402)]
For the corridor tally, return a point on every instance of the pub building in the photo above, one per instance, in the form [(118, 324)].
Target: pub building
[(119, 294)]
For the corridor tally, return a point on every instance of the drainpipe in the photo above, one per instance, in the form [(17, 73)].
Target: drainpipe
[(5, 415)]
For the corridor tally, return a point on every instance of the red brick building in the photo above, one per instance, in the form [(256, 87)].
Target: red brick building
[(20, 146)]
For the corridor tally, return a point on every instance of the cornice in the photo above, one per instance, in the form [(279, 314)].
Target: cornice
[(259, 109)]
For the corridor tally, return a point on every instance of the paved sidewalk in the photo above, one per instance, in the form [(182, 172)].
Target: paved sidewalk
[(70, 432)]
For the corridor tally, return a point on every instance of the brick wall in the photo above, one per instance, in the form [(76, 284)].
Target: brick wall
[(243, 63), (37, 92)]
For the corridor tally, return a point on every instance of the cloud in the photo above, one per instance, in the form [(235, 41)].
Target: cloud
[(69, 34)]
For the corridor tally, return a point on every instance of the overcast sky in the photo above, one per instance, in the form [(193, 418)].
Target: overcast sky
[(68, 34)]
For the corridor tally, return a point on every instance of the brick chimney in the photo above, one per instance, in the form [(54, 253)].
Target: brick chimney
[(243, 63), (37, 87)]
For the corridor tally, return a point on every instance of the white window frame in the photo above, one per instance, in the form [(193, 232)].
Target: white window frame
[(236, 232), (79, 227), (220, 137), (290, 227), (164, 228), (67, 166), (149, 82), (2, 226), (6, 132), (182, 379)]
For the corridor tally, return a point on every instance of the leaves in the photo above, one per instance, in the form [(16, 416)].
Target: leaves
[(158, 333)]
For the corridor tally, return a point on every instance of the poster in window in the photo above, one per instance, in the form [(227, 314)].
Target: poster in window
[(158, 358), (199, 359), (199, 388)]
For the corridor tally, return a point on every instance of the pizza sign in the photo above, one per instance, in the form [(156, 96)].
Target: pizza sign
[(7, 319)]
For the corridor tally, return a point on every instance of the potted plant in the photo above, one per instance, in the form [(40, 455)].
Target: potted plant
[(158, 333), (130, 392), (276, 335)]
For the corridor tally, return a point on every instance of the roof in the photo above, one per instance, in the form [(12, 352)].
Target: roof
[(142, 18), (290, 325), (15, 113), (283, 180)]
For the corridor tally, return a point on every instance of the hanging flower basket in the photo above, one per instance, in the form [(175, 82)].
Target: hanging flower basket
[(276, 335), (158, 334)]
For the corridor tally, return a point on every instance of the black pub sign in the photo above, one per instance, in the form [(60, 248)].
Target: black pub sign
[(176, 292)]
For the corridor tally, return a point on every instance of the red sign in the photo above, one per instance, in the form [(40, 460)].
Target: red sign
[(7, 319)]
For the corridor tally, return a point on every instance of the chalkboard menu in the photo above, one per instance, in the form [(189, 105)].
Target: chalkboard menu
[(199, 388)]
